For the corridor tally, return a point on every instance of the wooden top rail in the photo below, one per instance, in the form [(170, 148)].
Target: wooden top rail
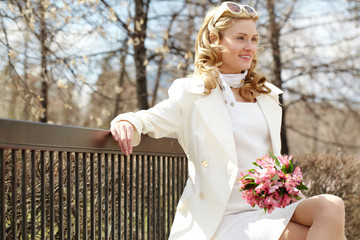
[(43, 136)]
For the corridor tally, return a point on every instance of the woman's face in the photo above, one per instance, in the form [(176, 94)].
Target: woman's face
[(239, 43)]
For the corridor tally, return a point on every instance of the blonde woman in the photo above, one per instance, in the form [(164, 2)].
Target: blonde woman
[(225, 116)]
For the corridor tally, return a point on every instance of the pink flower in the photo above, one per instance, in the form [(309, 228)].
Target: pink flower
[(265, 161), (274, 185), (285, 160)]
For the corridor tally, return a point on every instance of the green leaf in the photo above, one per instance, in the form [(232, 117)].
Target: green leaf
[(250, 185), (272, 155), (254, 163), (291, 167), (249, 178), (275, 177), (298, 197), (302, 187), (275, 159), (265, 210)]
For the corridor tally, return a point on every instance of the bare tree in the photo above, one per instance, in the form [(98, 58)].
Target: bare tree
[(140, 25), (274, 28)]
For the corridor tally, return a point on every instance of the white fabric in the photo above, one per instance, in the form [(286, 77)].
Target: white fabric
[(252, 225), (234, 80), (252, 140)]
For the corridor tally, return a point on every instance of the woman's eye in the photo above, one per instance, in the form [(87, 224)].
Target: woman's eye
[(254, 39), (240, 38)]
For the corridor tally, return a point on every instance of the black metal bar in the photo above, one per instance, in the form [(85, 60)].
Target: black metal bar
[(131, 181), (179, 180), (184, 173), (92, 197), (120, 160), (84, 198), (173, 187), (23, 195), (68, 197), (13, 194), (153, 196), (61, 198), (112, 196), (99, 236), (164, 197), (77, 201), (42, 201), (142, 196), (137, 186), (158, 199), (168, 167), (148, 207), (106, 197), (125, 197), (51, 186), (33, 195), (2, 195)]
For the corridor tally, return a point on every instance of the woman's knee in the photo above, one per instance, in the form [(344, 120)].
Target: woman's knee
[(330, 207)]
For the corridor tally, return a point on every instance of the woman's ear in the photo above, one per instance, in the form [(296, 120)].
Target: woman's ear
[(212, 38)]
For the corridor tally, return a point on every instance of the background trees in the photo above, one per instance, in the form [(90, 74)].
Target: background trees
[(82, 62)]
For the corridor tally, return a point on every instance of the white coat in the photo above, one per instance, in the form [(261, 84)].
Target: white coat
[(202, 125)]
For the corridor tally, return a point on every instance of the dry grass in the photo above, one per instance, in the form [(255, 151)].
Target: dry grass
[(339, 175)]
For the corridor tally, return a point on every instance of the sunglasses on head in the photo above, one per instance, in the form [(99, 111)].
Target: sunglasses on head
[(234, 8)]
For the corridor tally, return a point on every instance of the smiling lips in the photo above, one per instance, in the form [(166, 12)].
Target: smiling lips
[(247, 57)]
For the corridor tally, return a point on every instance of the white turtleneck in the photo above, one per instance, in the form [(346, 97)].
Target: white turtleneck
[(234, 80)]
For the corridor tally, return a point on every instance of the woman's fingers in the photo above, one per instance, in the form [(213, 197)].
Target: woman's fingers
[(114, 133), (130, 137), (123, 140), (123, 133)]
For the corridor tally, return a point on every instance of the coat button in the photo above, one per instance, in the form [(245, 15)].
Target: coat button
[(204, 163), (201, 196)]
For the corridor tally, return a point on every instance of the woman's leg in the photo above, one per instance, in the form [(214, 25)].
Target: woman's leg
[(294, 231), (324, 215)]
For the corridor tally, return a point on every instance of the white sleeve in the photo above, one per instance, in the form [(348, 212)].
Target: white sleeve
[(162, 120)]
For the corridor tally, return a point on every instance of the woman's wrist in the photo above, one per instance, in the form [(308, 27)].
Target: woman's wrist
[(127, 122)]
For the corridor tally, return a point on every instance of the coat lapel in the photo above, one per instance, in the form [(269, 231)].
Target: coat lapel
[(213, 110), (272, 112)]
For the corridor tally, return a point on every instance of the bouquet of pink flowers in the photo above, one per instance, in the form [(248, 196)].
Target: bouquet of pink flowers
[(275, 184)]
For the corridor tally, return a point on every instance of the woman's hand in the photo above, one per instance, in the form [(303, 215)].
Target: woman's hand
[(123, 133)]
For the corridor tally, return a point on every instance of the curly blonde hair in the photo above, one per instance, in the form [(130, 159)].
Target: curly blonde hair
[(208, 55)]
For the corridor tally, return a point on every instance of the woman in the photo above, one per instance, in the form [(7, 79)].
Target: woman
[(225, 116)]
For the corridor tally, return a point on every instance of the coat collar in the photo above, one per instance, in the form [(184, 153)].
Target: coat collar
[(213, 110)]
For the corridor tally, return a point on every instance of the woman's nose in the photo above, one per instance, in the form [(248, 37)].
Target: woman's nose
[(250, 46)]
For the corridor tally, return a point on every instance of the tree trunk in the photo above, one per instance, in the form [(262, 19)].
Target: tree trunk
[(275, 46), (44, 71), (140, 21), (121, 78)]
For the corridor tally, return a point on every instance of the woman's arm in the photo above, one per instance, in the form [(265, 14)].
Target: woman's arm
[(162, 120)]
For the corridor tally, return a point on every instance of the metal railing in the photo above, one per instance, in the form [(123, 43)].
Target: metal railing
[(62, 182)]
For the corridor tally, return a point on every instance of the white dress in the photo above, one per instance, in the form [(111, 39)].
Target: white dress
[(252, 139)]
